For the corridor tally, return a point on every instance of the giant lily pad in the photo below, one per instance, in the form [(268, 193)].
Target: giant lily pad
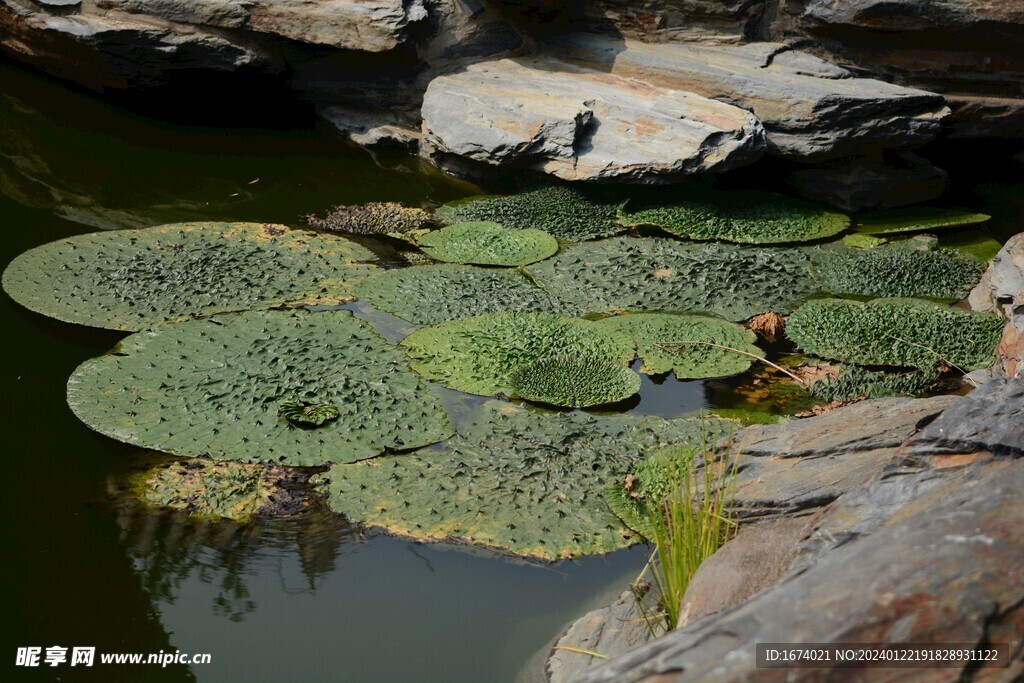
[(916, 219), (683, 343), (742, 216), (900, 332), (560, 211), (488, 244), (388, 219), (217, 387), (524, 482), (131, 279), (425, 295), (656, 274), (894, 271), (854, 381), (479, 355), (574, 381), (209, 489)]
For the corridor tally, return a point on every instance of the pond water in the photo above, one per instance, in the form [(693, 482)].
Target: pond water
[(308, 599)]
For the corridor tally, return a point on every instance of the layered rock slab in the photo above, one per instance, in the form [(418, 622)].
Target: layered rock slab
[(580, 124), (811, 109)]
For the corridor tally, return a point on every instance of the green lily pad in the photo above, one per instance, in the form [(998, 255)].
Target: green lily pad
[(315, 414), (216, 387), (900, 332), (479, 355), (566, 213), (855, 381), (915, 219), (861, 241), (659, 274), (680, 343), (895, 271), (574, 381), (208, 489), (132, 279), (525, 482), (745, 216), (426, 295), (389, 219), (488, 244), (977, 243)]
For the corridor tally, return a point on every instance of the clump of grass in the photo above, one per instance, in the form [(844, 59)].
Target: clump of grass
[(687, 524)]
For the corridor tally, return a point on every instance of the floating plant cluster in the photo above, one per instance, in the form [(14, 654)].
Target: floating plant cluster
[(241, 355)]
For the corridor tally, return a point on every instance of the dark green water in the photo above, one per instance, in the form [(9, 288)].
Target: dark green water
[(295, 600)]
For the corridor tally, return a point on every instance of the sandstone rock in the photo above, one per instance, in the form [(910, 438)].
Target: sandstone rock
[(1001, 290), (990, 418), (811, 109), (609, 631), (948, 567), (750, 562), (865, 183), (579, 124)]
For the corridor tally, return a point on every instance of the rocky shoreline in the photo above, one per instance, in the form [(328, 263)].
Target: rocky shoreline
[(605, 91)]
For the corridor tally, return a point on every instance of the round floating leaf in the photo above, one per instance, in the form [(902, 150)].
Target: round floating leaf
[(655, 274), (742, 216), (525, 482), (315, 414), (488, 244), (915, 219), (479, 355), (210, 489), (901, 332), (896, 271), (854, 382), (132, 279), (977, 243), (216, 387), (861, 241), (425, 295), (574, 381), (681, 343), (565, 213), (389, 219)]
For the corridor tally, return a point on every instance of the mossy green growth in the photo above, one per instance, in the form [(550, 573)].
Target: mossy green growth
[(426, 295), (488, 244), (861, 241), (894, 271), (479, 355), (632, 499), (746, 216), (899, 332), (133, 279), (566, 213), (209, 489), (524, 482), (215, 387), (915, 219), (683, 344), (659, 274), (574, 381), (977, 243), (855, 381)]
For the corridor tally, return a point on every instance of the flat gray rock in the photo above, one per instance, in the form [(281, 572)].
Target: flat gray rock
[(580, 124), (990, 418), (949, 567), (810, 109)]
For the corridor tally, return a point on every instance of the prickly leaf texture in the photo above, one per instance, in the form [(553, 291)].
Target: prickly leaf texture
[(211, 489), (426, 295), (488, 244), (651, 481), (679, 343), (900, 332), (479, 355), (654, 274), (132, 279), (216, 387), (566, 213), (894, 271), (315, 414), (525, 482), (855, 381), (915, 219), (574, 381), (746, 216), (376, 218)]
